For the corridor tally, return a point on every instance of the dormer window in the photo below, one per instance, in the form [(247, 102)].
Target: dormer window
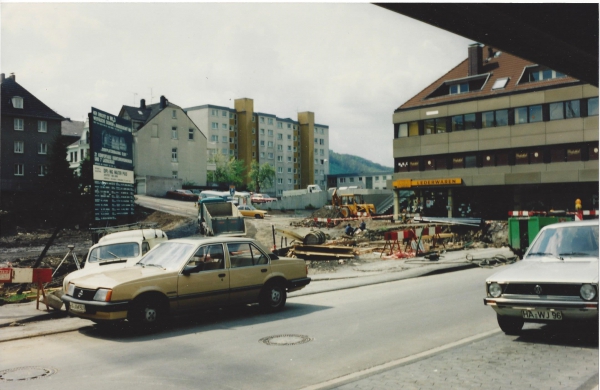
[(17, 102), (539, 73), (460, 86)]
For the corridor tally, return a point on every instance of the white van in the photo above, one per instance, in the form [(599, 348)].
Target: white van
[(118, 250)]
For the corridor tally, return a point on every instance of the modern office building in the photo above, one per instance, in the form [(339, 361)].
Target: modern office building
[(298, 150), (498, 133)]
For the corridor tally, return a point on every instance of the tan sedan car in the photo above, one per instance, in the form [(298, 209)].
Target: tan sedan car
[(250, 211), (187, 275)]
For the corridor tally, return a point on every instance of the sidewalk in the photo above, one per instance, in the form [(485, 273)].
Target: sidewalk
[(19, 321)]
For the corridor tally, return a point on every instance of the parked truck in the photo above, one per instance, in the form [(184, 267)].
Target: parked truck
[(219, 218), (311, 188)]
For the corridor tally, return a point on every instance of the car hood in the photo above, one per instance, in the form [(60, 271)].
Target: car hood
[(112, 278), (549, 270), (99, 268)]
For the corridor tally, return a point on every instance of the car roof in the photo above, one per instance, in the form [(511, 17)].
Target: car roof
[(211, 240)]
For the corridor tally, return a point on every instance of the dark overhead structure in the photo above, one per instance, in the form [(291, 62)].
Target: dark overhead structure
[(563, 36)]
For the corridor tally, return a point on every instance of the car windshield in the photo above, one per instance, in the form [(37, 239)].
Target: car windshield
[(168, 255), (566, 242), (118, 251)]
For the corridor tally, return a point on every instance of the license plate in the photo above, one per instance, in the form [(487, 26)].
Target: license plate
[(542, 315), (78, 307)]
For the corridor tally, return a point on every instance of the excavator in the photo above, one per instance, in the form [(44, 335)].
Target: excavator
[(352, 205)]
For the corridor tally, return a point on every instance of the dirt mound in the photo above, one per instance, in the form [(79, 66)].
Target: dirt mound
[(326, 212)]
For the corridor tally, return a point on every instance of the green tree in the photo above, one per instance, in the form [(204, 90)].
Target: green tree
[(228, 171), (61, 187), (261, 175)]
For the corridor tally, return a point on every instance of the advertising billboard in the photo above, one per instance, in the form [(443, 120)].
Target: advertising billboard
[(111, 145)]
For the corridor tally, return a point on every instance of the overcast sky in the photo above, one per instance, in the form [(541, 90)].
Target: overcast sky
[(352, 64)]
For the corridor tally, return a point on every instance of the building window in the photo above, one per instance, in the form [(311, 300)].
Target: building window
[(224, 113), (402, 130), (19, 124), (19, 147), (254, 142), (174, 174), (17, 102), (464, 122), (224, 126), (214, 126), (262, 142), (434, 126), (174, 114), (565, 110), (214, 138), (280, 147), (289, 181), (224, 139), (174, 154), (174, 133), (279, 180), (190, 134), (214, 112), (270, 133), (289, 170), (270, 144), (42, 126), (279, 136), (270, 156), (270, 121), (289, 159), (592, 105), (43, 148), (500, 83), (42, 170), (459, 88), (19, 169), (279, 125), (413, 129), (494, 118), (538, 73), (529, 114), (280, 158)]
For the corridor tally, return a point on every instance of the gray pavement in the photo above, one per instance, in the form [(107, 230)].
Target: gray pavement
[(534, 360)]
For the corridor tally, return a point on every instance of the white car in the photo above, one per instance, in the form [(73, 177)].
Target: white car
[(118, 250), (557, 280)]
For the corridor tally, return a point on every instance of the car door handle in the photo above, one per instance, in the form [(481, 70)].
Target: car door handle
[(263, 270), (222, 275)]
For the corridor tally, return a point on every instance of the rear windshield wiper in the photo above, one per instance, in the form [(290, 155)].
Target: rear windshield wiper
[(575, 254), (155, 265)]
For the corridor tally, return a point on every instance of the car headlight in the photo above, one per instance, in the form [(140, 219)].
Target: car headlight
[(495, 290), (70, 289), (588, 292), (103, 295)]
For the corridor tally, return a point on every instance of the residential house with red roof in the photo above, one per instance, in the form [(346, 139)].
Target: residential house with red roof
[(498, 133)]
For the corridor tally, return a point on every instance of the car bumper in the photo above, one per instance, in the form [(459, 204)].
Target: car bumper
[(571, 310), (297, 284), (101, 311)]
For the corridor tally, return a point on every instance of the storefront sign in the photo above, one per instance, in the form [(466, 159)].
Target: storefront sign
[(408, 183)]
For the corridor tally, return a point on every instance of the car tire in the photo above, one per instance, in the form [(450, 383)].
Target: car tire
[(257, 216), (273, 297), (510, 325), (148, 312)]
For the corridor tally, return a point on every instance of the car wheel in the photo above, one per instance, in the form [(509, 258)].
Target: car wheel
[(148, 312), (510, 325), (257, 216), (273, 297)]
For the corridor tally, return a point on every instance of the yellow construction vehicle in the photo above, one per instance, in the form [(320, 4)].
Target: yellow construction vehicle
[(352, 205)]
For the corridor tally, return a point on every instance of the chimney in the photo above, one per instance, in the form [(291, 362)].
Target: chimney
[(12, 76), (475, 60), (163, 102), (143, 104), (2, 77)]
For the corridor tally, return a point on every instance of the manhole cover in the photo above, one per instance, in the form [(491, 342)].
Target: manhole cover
[(286, 339), (26, 373)]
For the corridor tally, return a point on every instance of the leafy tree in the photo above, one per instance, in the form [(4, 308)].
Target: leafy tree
[(261, 175), (61, 186), (227, 171)]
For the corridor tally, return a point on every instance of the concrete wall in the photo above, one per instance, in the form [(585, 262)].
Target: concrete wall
[(156, 186)]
